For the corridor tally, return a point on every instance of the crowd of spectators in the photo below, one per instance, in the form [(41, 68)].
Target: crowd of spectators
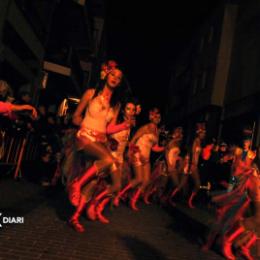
[(45, 131)]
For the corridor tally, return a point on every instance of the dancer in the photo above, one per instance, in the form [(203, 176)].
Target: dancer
[(144, 140), (173, 155), (121, 139), (232, 227), (196, 152), (171, 169), (102, 106), (239, 158)]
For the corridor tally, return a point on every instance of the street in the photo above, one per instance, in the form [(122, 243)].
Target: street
[(151, 233)]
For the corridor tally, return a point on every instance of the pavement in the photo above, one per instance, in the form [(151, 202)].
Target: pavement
[(154, 232)]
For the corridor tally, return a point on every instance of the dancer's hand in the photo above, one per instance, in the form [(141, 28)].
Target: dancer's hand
[(34, 114), (130, 122)]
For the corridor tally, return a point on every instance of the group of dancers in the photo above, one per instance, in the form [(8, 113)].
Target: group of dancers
[(237, 225), (115, 164)]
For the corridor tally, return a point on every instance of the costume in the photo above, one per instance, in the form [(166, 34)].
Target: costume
[(144, 145), (195, 155), (144, 140), (235, 230), (92, 139)]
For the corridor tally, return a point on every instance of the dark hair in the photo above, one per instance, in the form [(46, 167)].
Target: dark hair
[(122, 109), (120, 93), (9, 91), (24, 92), (155, 109)]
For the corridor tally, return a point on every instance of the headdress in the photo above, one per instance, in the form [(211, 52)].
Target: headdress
[(200, 128), (107, 67)]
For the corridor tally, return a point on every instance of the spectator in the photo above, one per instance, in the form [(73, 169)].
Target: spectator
[(5, 91), (24, 97)]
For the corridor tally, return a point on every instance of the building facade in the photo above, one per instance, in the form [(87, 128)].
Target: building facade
[(216, 77), (49, 47)]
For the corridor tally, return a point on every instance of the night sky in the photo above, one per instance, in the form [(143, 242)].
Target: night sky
[(145, 37)]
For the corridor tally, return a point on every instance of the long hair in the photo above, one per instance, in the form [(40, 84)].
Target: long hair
[(128, 99), (120, 93)]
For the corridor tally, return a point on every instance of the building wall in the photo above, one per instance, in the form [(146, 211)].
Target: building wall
[(67, 33), (222, 69), (22, 48), (243, 89), (198, 82)]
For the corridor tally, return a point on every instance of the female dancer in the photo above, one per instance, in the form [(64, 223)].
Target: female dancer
[(196, 153), (121, 138), (190, 164), (231, 226), (102, 106), (144, 140), (169, 170)]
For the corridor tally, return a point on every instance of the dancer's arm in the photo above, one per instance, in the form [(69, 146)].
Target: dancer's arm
[(156, 147), (77, 116), (8, 108), (30, 108), (5, 108), (113, 127), (206, 152), (195, 152)]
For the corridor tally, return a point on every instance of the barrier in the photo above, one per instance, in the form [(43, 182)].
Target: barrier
[(16, 148)]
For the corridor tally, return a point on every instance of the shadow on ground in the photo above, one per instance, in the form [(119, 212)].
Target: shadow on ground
[(141, 249)]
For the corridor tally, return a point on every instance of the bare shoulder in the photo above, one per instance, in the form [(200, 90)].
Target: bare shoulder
[(151, 127), (147, 128), (89, 93), (141, 130)]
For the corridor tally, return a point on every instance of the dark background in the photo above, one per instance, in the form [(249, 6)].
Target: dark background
[(145, 37)]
